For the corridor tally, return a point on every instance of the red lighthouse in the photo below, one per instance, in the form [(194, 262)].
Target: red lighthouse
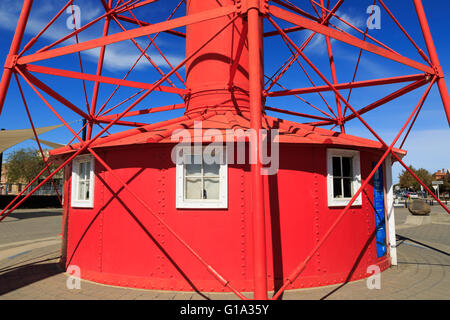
[(117, 240), (145, 208)]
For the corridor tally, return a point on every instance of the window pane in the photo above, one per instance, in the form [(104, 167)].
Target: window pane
[(337, 188), (337, 172), (347, 188), (193, 188), (347, 166), (81, 170), (194, 165), (84, 170), (211, 170), (87, 170), (212, 187), (86, 195), (81, 190)]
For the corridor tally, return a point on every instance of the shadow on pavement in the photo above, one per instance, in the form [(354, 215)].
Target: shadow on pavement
[(21, 276), (35, 214), (403, 238)]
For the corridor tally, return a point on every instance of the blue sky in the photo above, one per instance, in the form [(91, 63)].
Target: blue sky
[(427, 146)]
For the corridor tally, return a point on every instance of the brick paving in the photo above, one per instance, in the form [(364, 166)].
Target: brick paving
[(422, 271)]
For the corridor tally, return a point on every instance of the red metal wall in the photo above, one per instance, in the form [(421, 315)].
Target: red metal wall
[(119, 243)]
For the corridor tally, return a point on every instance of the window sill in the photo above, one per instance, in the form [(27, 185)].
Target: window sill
[(344, 202), (82, 205), (202, 205)]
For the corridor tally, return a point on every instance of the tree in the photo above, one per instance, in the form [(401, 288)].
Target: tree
[(406, 180), (23, 165)]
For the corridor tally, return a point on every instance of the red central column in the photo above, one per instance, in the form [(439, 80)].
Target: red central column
[(209, 74), (255, 40), (228, 75)]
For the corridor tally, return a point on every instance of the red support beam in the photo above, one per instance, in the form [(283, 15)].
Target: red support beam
[(36, 38), (389, 149), (85, 145), (3, 215), (119, 104), (127, 35), (420, 51), (350, 85), (15, 46), (398, 93), (358, 61), (145, 111), (101, 59), (287, 30), (305, 101), (152, 40), (137, 22), (392, 96), (293, 29), (36, 137), (433, 57), (144, 53), (293, 113), (102, 79), (296, 9), (53, 93), (120, 123), (255, 25), (208, 267), (294, 56), (31, 84), (78, 31), (356, 29), (346, 38), (333, 74), (240, 48), (137, 5)]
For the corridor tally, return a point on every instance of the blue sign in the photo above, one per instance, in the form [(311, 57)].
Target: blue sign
[(380, 222)]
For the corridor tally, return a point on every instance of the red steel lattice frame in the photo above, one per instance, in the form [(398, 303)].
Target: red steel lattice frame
[(256, 11)]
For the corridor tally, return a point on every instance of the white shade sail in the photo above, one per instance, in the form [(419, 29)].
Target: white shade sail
[(50, 144), (10, 138)]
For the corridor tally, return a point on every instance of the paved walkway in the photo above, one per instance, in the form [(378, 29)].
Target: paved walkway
[(30, 248)]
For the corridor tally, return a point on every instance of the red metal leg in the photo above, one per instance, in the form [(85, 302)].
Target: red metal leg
[(389, 149), (256, 107), (15, 46), (433, 57)]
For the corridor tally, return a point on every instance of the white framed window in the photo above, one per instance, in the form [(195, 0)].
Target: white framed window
[(344, 177), (202, 178), (83, 182)]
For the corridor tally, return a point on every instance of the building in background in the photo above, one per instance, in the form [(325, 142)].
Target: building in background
[(16, 188), (441, 174)]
